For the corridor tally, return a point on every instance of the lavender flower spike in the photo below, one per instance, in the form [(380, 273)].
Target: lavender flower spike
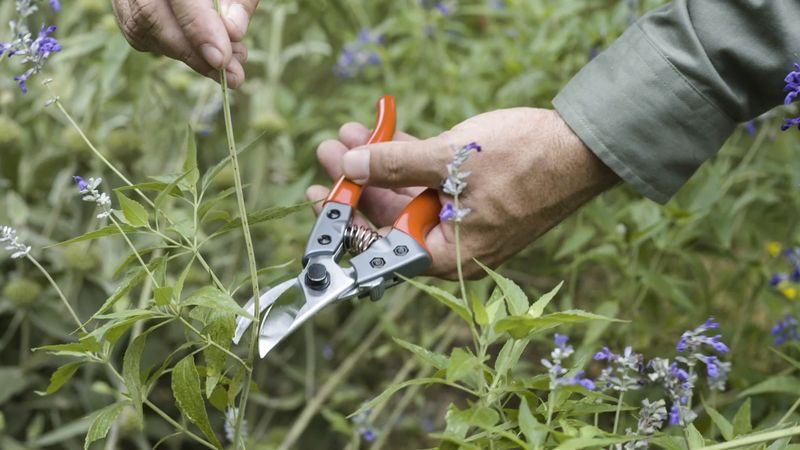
[(8, 236), (792, 90), (91, 194)]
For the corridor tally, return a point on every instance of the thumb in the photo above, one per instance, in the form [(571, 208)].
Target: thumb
[(398, 163)]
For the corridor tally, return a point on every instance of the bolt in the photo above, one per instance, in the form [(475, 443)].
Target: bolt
[(377, 262), (334, 214), (324, 239), (401, 250), (317, 277)]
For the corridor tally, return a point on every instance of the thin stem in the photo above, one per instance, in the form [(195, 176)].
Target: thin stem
[(248, 240), (790, 412), (462, 285), (178, 426), (58, 290), (616, 414), (212, 343), (135, 252)]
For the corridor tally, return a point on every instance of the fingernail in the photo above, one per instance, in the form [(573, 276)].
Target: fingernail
[(355, 165), (212, 55), (238, 15)]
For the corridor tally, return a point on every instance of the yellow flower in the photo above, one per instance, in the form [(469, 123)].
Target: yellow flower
[(773, 248), (789, 292)]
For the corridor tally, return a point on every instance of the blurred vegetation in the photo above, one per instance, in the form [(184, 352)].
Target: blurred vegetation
[(664, 269)]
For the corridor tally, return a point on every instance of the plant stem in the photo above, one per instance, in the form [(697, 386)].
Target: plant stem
[(755, 439), (58, 290), (135, 252), (248, 240), (462, 285), (616, 414), (178, 426), (789, 412)]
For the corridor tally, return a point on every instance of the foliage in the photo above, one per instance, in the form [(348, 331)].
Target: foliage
[(156, 284)]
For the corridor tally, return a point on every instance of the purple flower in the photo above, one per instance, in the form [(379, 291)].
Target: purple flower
[(369, 435), (447, 213), (357, 55), (792, 90), (785, 330), (679, 373), (472, 146), (750, 127), (604, 354), (22, 80), (777, 279), (560, 340), (443, 8), (56, 5), (675, 415), (83, 186)]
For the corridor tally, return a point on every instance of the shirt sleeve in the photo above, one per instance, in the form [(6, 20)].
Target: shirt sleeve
[(666, 95)]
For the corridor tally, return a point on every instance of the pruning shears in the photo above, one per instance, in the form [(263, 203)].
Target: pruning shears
[(377, 263)]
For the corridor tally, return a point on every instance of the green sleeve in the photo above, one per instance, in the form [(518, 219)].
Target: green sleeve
[(667, 94)]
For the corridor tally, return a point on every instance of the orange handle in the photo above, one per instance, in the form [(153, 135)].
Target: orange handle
[(420, 216), (347, 192)]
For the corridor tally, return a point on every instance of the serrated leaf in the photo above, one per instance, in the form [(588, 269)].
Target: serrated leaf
[(133, 211), (426, 356), (186, 389), (102, 422), (131, 372), (521, 326), (461, 364), (114, 329), (479, 310), (535, 432), (444, 297), (515, 296), (163, 295), (483, 417), (61, 376), (168, 190), (110, 230), (725, 427), (211, 297), (220, 328), (741, 421), (509, 355), (537, 308)]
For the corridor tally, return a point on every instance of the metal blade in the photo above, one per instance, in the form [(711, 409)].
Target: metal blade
[(288, 314), (266, 300)]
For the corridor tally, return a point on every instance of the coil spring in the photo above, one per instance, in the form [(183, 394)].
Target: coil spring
[(357, 239)]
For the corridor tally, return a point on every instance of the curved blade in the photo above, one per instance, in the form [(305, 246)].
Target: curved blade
[(266, 300)]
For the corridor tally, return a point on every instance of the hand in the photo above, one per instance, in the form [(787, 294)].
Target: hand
[(533, 171), (190, 31)]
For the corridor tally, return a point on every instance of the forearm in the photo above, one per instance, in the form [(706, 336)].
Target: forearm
[(665, 97)]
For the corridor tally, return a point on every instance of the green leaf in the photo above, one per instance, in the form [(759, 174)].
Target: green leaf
[(509, 355), (263, 215), (61, 376), (521, 326), (535, 432), (741, 421), (394, 388), (483, 417), (537, 308), (134, 212), (786, 358), (574, 241), (168, 190), (455, 304), (186, 388), (131, 372), (426, 356), (725, 427), (481, 316), (209, 176), (189, 182), (220, 328), (211, 297), (781, 384), (120, 323), (694, 437), (110, 230), (461, 364), (163, 295), (515, 296), (102, 422)]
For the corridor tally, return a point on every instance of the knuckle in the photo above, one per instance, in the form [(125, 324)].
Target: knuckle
[(140, 24), (392, 167)]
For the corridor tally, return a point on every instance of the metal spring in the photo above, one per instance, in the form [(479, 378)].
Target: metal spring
[(357, 239)]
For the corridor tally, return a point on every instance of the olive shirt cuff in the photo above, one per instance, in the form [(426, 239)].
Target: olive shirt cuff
[(642, 117)]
